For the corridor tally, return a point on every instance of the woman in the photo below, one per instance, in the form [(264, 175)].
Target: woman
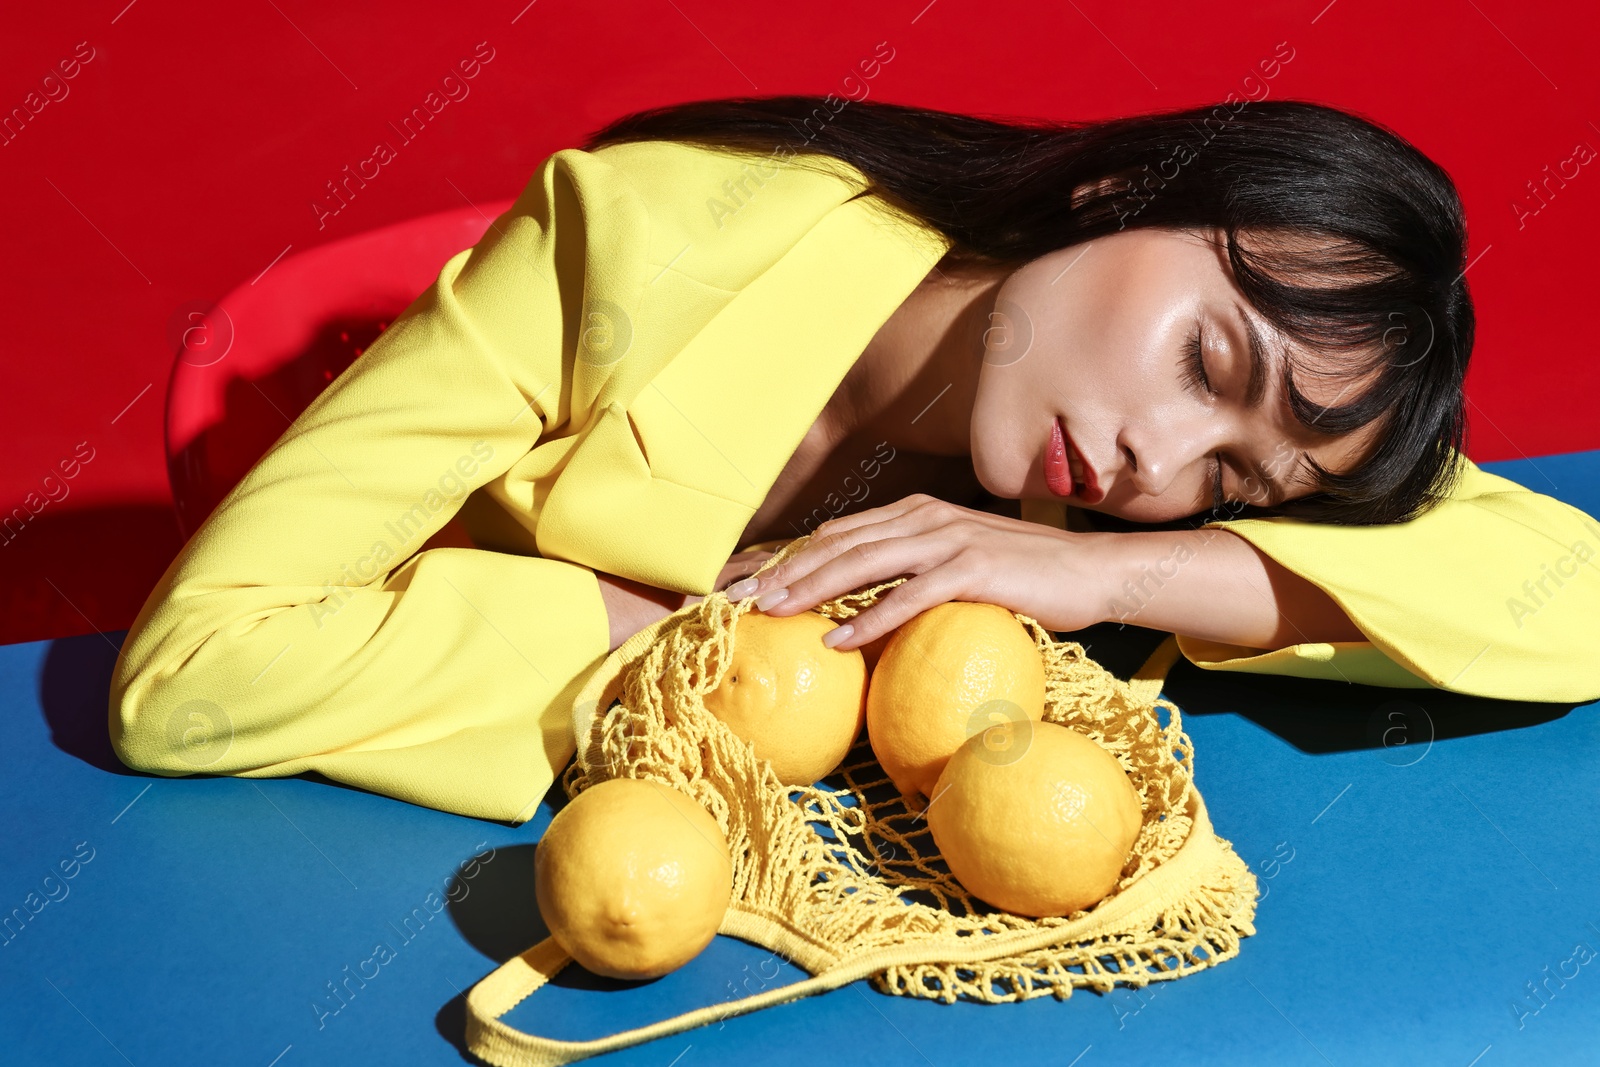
[(1198, 370)]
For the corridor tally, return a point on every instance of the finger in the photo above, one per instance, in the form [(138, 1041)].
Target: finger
[(801, 567), (870, 515), (869, 561), (827, 546), (845, 523), (750, 566), (825, 540), (736, 568), (805, 559), (903, 603)]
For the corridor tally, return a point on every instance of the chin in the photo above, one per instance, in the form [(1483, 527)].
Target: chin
[(1006, 460), (982, 468), (1008, 482)]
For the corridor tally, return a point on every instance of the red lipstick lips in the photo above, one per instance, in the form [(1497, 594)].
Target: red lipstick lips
[(1058, 469)]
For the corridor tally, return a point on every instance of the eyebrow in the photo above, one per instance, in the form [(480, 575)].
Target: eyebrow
[(1255, 390)]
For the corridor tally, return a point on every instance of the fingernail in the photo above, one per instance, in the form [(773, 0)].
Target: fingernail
[(837, 634), (742, 588), (772, 599)]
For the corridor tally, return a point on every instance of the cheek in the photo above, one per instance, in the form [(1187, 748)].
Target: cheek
[(998, 437)]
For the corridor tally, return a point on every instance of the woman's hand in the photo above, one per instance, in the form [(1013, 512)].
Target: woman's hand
[(951, 553), (738, 566)]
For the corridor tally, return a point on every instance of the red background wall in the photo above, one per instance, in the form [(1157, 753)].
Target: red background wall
[(186, 153)]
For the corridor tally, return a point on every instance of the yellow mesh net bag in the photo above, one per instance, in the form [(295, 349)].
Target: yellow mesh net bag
[(845, 882)]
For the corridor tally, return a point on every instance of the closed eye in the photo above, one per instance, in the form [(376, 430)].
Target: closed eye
[(1196, 381)]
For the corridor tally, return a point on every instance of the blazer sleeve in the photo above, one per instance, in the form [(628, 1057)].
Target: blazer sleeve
[(300, 629), (1495, 592)]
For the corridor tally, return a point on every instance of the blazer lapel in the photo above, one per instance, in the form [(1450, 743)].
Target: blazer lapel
[(664, 482)]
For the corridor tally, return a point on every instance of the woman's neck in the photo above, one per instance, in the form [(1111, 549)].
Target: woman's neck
[(915, 382)]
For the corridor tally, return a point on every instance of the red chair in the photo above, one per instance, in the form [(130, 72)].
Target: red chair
[(246, 367)]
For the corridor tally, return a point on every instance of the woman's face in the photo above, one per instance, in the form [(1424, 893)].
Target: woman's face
[(1098, 335)]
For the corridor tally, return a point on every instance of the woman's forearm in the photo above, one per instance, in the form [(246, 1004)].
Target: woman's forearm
[(1215, 585), (631, 605)]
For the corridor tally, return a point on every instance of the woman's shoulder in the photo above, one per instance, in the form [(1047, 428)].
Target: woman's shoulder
[(719, 215), (671, 162), (719, 185)]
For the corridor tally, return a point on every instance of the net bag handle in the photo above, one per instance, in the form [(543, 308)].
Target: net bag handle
[(511, 983)]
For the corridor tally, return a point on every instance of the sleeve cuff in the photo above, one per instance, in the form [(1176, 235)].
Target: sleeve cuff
[(1360, 662)]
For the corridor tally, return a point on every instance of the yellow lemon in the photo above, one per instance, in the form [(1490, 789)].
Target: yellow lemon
[(947, 674), (1035, 818), (632, 878), (798, 702)]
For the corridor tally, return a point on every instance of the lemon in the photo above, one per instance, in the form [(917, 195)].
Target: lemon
[(1035, 818), (798, 702), (632, 878), (946, 674)]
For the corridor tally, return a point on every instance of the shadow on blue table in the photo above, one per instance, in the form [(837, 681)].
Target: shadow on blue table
[(1316, 715), (495, 919)]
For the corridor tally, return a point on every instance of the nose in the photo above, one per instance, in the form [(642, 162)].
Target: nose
[(1161, 452)]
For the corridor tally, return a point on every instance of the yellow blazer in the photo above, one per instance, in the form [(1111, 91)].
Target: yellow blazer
[(611, 380)]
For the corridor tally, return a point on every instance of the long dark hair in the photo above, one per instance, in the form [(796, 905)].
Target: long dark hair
[(1383, 278)]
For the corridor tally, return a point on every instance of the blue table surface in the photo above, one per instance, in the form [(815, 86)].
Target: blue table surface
[(1434, 900)]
